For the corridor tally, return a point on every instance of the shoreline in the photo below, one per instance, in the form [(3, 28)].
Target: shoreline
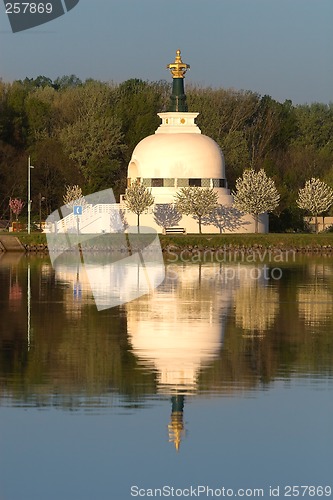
[(195, 243)]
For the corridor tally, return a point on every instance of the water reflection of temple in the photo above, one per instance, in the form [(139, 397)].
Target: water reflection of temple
[(177, 330), (223, 333)]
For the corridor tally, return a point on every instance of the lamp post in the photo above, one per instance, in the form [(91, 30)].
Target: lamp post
[(29, 194)]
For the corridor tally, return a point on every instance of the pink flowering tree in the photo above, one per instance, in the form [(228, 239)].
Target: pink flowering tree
[(16, 205)]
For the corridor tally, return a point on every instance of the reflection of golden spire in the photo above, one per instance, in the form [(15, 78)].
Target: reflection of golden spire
[(176, 426), (176, 429), (178, 68)]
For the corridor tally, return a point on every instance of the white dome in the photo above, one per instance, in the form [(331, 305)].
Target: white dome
[(174, 155)]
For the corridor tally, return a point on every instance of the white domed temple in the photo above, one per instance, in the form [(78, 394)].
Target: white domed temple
[(179, 155)]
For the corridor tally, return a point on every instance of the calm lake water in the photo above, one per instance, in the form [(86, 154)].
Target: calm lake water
[(221, 378)]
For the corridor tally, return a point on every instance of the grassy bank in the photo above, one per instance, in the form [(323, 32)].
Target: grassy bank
[(32, 238), (264, 241), (280, 241)]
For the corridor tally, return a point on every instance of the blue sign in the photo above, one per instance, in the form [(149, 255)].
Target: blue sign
[(77, 209)]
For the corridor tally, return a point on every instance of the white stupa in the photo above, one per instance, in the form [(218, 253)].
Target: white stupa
[(179, 155)]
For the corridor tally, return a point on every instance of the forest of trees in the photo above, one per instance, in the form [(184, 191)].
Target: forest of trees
[(84, 133)]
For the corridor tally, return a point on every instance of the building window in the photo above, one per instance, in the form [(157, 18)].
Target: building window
[(182, 182), (146, 182), (169, 183), (219, 183), (157, 182), (195, 182), (205, 183)]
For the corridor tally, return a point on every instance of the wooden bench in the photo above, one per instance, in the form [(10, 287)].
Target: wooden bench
[(174, 230)]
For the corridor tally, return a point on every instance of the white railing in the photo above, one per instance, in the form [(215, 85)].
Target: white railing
[(92, 216)]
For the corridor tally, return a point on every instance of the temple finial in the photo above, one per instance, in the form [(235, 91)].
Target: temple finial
[(178, 68)]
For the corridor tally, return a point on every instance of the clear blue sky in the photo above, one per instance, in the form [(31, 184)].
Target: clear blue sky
[(283, 48)]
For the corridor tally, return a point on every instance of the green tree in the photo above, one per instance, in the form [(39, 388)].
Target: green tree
[(93, 138), (315, 126), (196, 201), (39, 115), (16, 205), (73, 194), (316, 197), (66, 81), (17, 94), (137, 103), (255, 194), (137, 199), (53, 170), (271, 128)]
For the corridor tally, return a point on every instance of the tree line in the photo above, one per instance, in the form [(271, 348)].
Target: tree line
[(83, 133)]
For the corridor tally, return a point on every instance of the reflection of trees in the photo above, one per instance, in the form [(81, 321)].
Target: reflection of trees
[(166, 215), (256, 307), (320, 270), (314, 304)]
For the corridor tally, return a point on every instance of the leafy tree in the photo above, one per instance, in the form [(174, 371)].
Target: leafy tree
[(16, 205), (40, 81), (271, 127), (93, 138), (53, 170), (39, 115), (236, 153), (316, 197), (16, 97), (66, 81), (222, 111), (137, 103), (315, 126), (137, 199), (196, 201), (73, 195), (255, 194)]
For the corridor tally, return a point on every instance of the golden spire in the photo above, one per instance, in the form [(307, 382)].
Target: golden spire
[(178, 68)]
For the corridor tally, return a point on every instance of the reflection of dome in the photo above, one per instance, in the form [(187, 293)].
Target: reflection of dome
[(173, 338), (177, 349), (180, 155)]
